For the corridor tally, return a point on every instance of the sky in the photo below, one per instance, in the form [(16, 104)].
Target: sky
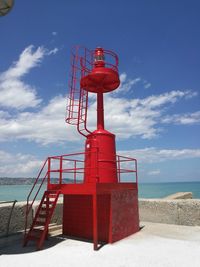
[(155, 113)]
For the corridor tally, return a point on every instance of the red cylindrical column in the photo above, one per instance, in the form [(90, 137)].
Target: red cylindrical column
[(100, 159), (100, 111)]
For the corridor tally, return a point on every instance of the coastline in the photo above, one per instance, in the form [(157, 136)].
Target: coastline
[(146, 190)]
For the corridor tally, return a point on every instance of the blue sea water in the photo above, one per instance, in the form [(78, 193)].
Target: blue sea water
[(160, 190), (150, 190)]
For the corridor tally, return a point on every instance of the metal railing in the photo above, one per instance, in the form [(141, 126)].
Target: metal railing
[(127, 161), (10, 215), (70, 164), (29, 203), (75, 168), (82, 62), (70, 168)]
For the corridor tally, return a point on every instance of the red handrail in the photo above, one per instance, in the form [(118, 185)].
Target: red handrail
[(120, 170), (74, 169), (29, 206)]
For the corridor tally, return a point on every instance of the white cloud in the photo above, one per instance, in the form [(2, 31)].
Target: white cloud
[(27, 60), (44, 126), (135, 117), (123, 77), (24, 165), (147, 85), (185, 119), (53, 51), (153, 155), (27, 165), (191, 94), (124, 117), (4, 156), (126, 84), (54, 33), (15, 93), (169, 97), (13, 165)]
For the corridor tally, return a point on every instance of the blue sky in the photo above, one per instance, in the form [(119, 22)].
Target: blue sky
[(155, 113)]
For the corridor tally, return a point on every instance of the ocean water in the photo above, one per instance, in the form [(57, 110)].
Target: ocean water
[(150, 190), (18, 192), (160, 190)]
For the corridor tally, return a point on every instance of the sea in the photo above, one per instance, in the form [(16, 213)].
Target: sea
[(146, 190)]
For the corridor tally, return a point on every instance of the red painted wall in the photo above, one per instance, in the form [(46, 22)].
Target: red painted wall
[(78, 216), (117, 215), (124, 216)]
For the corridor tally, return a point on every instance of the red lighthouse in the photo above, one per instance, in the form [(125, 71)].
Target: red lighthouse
[(99, 80), (101, 198)]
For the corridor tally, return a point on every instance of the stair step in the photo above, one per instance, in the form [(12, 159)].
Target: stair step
[(40, 223), (42, 216), (48, 202), (52, 195), (45, 209), (52, 192)]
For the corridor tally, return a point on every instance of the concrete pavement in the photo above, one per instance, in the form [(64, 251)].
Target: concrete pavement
[(156, 245)]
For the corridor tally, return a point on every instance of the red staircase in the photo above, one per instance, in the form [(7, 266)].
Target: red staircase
[(39, 228)]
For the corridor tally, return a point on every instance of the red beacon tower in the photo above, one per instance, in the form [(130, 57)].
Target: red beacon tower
[(99, 80), (101, 198)]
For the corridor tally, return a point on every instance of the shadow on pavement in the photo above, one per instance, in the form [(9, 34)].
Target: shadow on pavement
[(14, 244)]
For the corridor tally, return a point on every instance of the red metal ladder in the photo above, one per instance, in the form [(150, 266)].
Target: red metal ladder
[(39, 228), (78, 97)]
